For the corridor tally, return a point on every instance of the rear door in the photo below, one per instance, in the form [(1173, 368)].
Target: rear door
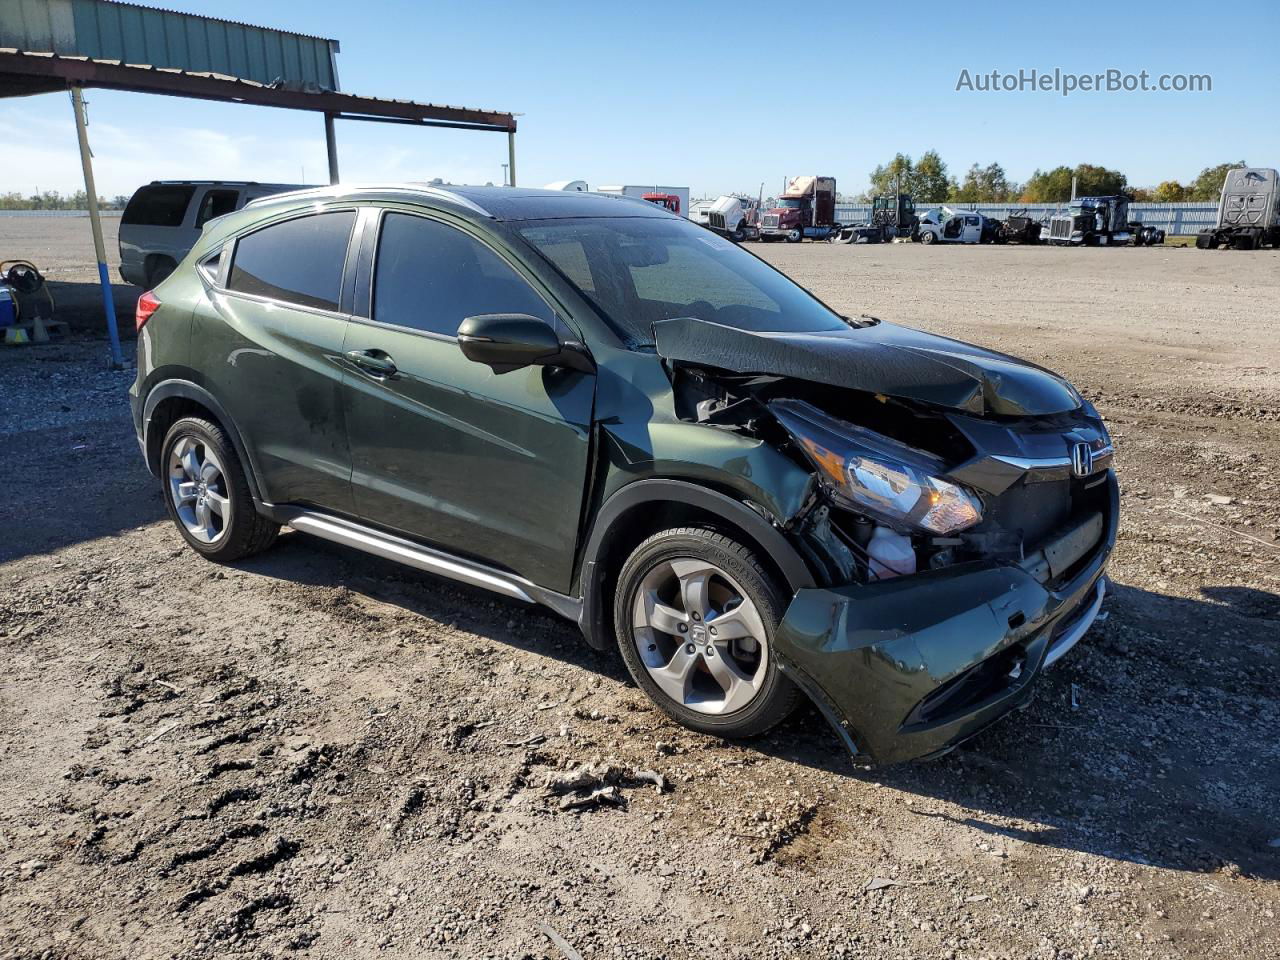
[(482, 465), (268, 339)]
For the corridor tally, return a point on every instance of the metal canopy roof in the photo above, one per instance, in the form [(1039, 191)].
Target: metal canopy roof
[(23, 73), (51, 45), (132, 33)]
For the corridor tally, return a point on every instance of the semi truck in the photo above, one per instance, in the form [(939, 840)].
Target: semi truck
[(1248, 213), (805, 208), (737, 218), (675, 199), (1092, 222), (895, 215)]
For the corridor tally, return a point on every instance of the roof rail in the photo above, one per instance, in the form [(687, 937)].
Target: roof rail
[(416, 189)]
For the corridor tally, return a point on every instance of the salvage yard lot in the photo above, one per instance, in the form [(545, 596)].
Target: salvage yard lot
[(317, 753)]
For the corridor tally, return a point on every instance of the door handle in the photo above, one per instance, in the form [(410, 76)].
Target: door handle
[(373, 361)]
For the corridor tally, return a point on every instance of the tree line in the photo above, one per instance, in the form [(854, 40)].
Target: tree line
[(928, 181), (53, 200)]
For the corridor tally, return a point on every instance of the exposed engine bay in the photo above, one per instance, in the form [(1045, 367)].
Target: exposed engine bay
[(935, 462)]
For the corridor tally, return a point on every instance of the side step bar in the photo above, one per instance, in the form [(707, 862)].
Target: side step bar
[(390, 547)]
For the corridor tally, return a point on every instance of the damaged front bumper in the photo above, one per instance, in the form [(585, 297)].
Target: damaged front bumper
[(909, 667)]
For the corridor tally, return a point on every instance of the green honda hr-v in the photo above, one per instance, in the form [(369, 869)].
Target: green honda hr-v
[(590, 403)]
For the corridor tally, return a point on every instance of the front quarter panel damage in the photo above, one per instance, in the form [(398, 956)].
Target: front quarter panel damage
[(876, 650)]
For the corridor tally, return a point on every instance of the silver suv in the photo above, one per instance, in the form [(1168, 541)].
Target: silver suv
[(163, 220)]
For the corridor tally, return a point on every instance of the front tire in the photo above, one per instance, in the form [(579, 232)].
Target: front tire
[(695, 616), (207, 494)]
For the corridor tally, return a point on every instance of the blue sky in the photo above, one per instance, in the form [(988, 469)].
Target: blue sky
[(715, 96)]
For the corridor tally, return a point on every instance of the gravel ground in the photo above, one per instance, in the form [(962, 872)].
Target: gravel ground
[(317, 753)]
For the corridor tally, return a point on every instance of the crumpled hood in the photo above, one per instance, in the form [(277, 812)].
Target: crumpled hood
[(881, 358)]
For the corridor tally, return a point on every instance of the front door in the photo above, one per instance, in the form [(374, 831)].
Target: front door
[(484, 465)]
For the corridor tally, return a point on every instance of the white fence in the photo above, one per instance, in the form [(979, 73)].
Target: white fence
[(57, 213), (1172, 218)]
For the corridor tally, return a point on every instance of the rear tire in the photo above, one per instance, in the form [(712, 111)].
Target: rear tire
[(206, 493), (672, 592)]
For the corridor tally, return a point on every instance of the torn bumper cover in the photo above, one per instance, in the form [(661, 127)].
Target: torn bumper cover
[(908, 668)]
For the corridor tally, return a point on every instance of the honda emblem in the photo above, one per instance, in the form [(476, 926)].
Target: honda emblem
[(1082, 459)]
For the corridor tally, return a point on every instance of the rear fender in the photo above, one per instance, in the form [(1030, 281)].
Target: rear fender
[(185, 389)]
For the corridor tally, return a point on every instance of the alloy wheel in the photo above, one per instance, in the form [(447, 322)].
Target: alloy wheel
[(699, 636), (198, 486)]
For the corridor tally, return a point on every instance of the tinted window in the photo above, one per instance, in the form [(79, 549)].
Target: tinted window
[(162, 205), (299, 261), (432, 277), (215, 204), (642, 270)]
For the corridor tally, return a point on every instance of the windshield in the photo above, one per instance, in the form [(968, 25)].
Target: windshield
[(790, 204), (640, 270)]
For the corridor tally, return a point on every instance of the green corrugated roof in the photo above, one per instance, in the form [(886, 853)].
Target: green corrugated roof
[(131, 33)]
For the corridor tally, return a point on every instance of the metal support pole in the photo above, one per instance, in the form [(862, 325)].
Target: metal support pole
[(95, 221), (331, 145), (511, 150)]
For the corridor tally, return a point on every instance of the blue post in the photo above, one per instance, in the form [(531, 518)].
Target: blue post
[(109, 305)]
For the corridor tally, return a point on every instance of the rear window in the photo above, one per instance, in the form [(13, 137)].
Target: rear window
[(298, 261), (216, 203), (162, 205)]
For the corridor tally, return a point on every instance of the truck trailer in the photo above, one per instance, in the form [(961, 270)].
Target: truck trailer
[(805, 208), (1248, 213)]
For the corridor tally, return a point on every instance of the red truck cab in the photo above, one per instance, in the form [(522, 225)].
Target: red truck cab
[(668, 200), (806, 208)]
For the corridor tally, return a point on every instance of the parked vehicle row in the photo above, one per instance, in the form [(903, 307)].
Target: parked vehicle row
[(164, 218)]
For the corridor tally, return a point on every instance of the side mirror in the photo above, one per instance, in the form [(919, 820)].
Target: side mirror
[(511, 341)]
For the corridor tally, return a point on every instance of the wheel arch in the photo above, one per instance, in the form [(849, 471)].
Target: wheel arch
[(644, 507), (170, 400)]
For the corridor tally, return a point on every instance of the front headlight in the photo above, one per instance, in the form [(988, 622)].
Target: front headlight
[(879, 476)]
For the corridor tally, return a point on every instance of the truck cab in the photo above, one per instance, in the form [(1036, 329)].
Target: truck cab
[(734, 217), (1092, 222), (895, 215), (668, 201), (807, 208), (1248, 212)]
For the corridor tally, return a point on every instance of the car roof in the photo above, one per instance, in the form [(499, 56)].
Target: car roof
[(493, 203)]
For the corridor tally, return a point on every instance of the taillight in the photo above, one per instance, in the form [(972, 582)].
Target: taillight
[(148, 304)]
